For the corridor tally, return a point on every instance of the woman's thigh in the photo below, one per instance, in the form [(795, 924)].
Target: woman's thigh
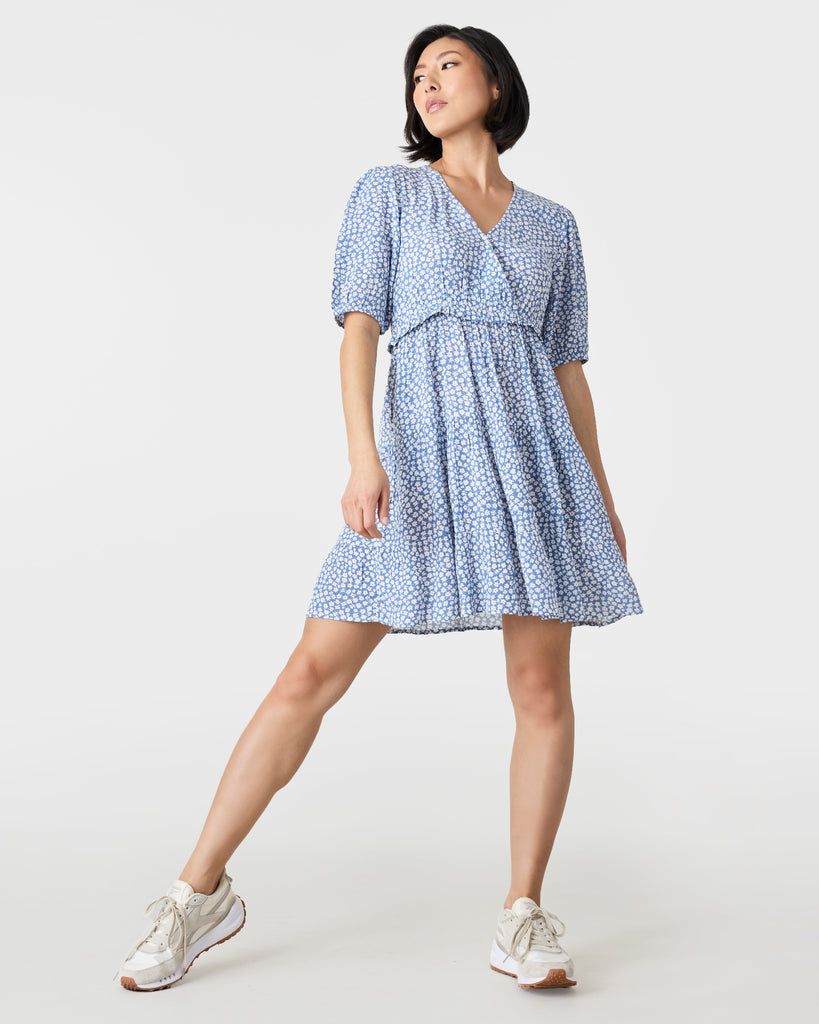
[(537, 653)]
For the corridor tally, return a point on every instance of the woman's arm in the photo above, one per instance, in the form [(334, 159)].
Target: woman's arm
[(577, 395), (368, 488)]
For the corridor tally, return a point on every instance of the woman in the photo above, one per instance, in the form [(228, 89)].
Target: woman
[(483, 504)]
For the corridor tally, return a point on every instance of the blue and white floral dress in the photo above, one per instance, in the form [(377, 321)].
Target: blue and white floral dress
[(494, 507)]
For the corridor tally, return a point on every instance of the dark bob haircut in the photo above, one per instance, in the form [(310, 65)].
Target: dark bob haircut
[(506, 121)]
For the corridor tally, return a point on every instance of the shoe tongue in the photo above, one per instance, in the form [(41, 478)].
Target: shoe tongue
[(180, 891), (523, 904)]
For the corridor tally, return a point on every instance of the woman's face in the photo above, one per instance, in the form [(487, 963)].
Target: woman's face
[(451, 90)]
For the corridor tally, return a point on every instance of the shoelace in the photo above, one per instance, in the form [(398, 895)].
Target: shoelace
[(164, 906), (537, 928)]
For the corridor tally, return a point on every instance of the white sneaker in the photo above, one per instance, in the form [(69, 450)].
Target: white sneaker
[(185, 924), (526, 947)]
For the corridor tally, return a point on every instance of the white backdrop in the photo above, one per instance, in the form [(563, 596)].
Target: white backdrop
[(172, 456)]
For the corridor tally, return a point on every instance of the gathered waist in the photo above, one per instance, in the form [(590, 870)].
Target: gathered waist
[(474, 320)]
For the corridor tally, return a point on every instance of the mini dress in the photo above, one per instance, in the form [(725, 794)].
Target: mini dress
[(493, 507)]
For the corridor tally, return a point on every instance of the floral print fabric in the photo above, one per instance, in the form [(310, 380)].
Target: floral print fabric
[(494, 507)]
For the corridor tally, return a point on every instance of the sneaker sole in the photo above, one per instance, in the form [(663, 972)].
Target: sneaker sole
[(556, 978), (225, 930)]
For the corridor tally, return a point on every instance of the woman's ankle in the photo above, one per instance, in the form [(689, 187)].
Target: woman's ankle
[(204, 883)]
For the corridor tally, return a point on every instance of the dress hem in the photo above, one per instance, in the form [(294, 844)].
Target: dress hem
[(461, 624)]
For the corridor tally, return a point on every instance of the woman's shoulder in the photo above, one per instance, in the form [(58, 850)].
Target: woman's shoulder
[(374, 187), (388, 180), (549, 210), (399, 175)]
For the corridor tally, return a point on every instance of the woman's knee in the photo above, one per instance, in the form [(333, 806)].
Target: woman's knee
[(540, 692), (305, 680)]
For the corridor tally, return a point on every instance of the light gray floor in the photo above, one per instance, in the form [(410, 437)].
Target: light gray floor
[(339, 935), (372, 882)]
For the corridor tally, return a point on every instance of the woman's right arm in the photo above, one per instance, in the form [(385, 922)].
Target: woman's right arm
[(368, 488)]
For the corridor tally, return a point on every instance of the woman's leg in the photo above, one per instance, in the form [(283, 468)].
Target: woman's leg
[(276, 740), (537, 670)]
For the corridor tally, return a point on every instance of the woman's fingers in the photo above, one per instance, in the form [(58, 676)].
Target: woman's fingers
[(368, 520), (367, 492), (362, 519)]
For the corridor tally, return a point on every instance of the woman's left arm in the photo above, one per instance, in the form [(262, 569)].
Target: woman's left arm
[(577, 395)]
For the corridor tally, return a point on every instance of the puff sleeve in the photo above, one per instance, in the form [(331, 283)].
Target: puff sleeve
[(367, 249), (565, 325)]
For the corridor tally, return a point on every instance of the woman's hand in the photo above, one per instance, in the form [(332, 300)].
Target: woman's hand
[(368, 489), (619, 532)]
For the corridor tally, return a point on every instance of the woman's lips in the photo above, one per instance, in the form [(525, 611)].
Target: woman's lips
[(436, 106)]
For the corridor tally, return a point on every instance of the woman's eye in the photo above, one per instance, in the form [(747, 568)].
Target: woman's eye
[(418, 78)]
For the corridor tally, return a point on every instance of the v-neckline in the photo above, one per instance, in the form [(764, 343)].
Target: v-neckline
[(484, 234)]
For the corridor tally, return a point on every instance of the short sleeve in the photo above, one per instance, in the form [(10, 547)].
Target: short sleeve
[(366, 250), (565, 326)]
